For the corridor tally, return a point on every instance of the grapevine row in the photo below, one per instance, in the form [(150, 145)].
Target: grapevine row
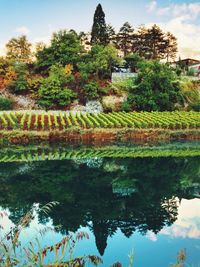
[(45, 121)]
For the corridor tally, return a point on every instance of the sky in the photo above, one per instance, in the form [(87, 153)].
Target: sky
[(38, 19)]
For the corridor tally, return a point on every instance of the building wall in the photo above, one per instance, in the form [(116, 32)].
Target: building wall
[(119, 76)]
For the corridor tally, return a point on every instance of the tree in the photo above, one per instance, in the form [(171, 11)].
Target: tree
[(139, 45), (155, 89), (19, 50), (54, 91), (156, 42), (18, 82), (65, 49), (99, 33), (124, 38), (99, 61), (132, 61), (111, 33), (153, 43), (171, 46)]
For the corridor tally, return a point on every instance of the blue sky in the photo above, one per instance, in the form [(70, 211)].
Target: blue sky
[(39, 18)]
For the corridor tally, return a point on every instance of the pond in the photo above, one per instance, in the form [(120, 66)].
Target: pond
[(140, 199)]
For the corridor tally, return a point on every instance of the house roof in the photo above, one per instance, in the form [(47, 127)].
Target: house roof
[(188, 61)]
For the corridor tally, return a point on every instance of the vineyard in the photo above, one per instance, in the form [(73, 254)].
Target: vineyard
[(30, 154), (54, 120)]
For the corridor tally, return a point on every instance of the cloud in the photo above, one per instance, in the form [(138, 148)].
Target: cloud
[(187, 34), (23, 30), (182, 21), (151, 6), (151, 236), (192, 10), (188, 223)]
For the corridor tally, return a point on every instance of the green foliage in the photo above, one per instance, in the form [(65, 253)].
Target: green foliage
[(51, 120), (19, 84), (92, 90), (122, 86), (5, 103), (155, 89), (99, 61), (53, 91), (34, 83), (132, 61), (65, 49), (191, 72), (99, 34), (19, 50), (153, 43), (190, 92), (124, 38), (4, 63)]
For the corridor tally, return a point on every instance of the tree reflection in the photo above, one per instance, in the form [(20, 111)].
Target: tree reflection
[(126, 194)]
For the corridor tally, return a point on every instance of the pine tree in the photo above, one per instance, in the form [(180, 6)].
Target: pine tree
[(139, 44), (171, 46), (156, 42), (110, 33), (153, 43), (99, 30), (124, 38)]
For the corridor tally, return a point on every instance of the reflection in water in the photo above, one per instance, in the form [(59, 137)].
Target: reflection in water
[(140, 194), (188, 223)]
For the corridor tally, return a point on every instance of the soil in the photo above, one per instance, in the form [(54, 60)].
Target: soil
[(97, 136)]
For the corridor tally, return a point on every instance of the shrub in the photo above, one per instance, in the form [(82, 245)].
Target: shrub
[(195, 106), (155, 88), (191, 72), (19, 82), (191, 94), (92, 90), (34, 83), (54, 91), (5, 103)]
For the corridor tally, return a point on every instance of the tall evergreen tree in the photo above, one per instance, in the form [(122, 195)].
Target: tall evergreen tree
[(153, 43), (139, 44), (171, 46), (124, 38), (110, 33), (99, 33), (156, 42)]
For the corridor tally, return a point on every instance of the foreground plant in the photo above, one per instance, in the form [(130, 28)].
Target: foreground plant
[(181, 258), (13, 253)]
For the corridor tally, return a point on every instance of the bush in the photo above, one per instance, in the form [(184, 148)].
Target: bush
[(191, 72), (19, 82), (191, 94), (92, 90), (5, 103), (156, 88), (54, 91), (34, 83), (195, 106), (18, 86)]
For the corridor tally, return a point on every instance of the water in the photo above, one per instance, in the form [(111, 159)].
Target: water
[(137, 198)]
